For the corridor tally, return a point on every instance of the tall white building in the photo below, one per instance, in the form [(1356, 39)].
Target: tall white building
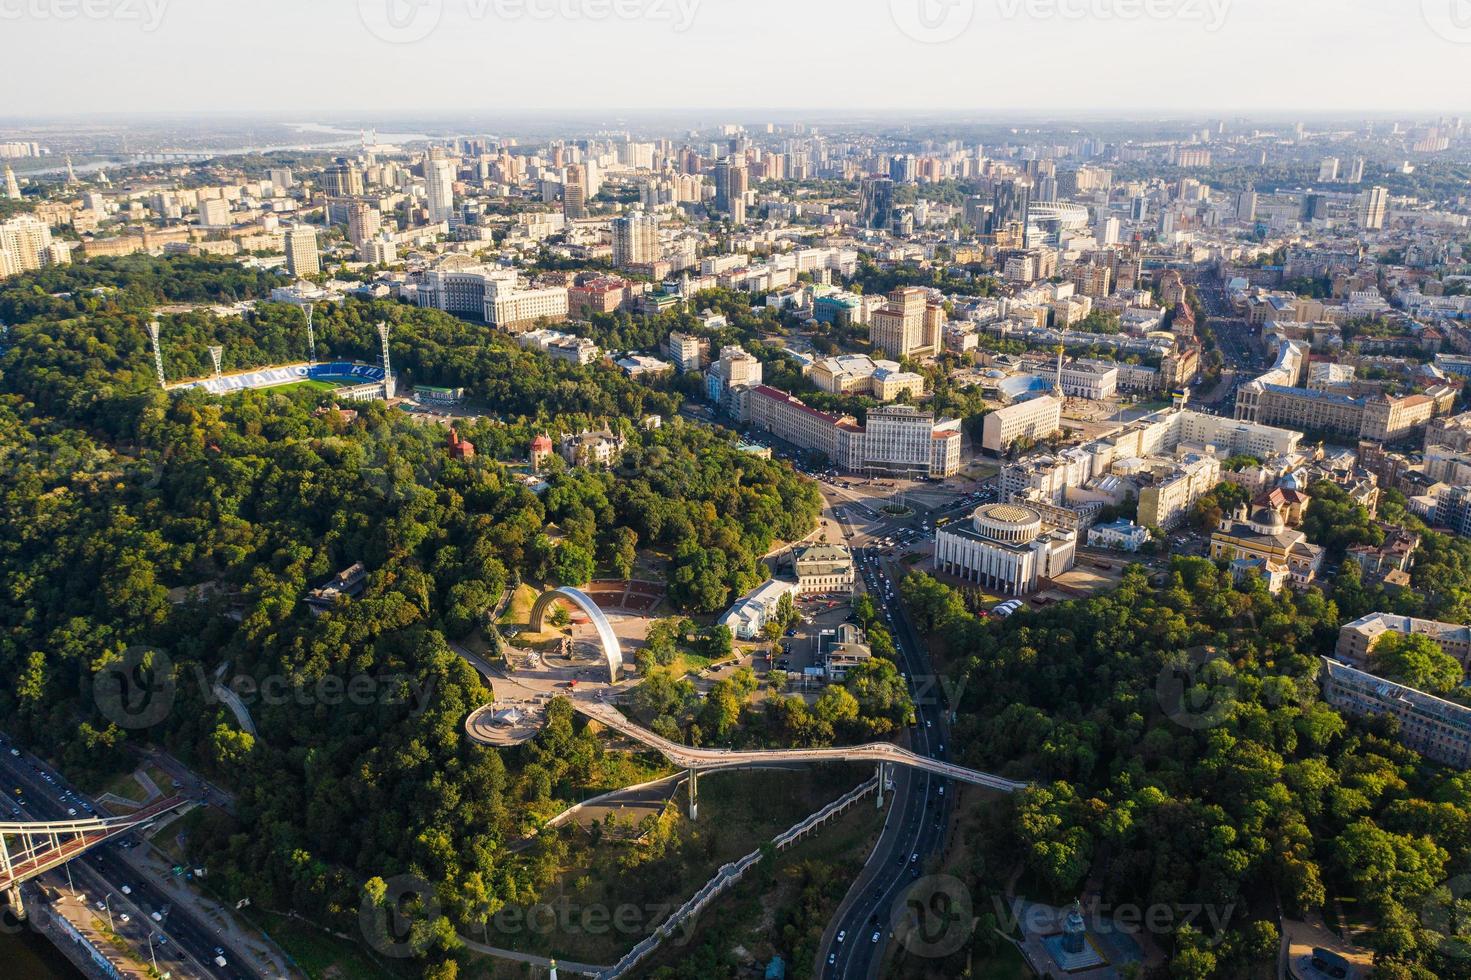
[(635, 239), (1373, 206), (214, 212), (302, 256), (25, 244), (439, 182)]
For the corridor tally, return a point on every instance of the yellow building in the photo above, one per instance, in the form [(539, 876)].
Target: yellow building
[(1264, 536)]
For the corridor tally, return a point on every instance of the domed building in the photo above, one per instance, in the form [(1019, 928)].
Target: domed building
[(1257, 539), (1006, 548)]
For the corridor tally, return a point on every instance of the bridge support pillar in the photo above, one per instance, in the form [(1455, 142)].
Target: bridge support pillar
[(14, 905), (878, 789), (694, 794)]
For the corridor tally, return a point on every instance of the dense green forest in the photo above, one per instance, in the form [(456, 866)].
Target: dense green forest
[(167, 534), (1183, 756)]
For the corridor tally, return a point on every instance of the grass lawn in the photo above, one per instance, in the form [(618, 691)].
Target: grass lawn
[(307, 384), (518, 610), (125, 786), (323, 956)]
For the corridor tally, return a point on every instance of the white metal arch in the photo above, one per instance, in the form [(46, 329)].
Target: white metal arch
[(611, 648)]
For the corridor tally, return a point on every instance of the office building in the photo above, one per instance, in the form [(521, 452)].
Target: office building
[(688, 352), (1170, 491), (898, 439), (1119, 535), (1438, 729), (1005, 548), (876, 195), (574, 192), (342, 179), (214, 212), (823, 568), (1031, 420), (1356, 639), (302, 255), (909, 325), (1011, 201), (735, 369), (1373, 207)]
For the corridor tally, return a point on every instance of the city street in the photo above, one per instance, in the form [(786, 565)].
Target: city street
[(182, 943)]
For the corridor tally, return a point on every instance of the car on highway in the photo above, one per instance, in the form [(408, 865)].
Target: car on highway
[(842, 934), (875, 937)]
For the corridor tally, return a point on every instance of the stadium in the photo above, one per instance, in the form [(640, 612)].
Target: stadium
[(354, 381)]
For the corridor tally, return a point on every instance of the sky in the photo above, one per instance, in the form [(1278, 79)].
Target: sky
[(308, 58)]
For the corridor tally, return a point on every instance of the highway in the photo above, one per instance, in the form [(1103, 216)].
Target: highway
[(913, 839), (188, 948)]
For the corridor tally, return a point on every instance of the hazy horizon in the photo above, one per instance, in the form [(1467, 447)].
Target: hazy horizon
[(995, 59)]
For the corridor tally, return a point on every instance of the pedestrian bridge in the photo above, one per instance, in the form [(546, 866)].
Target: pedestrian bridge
[(882, 753)]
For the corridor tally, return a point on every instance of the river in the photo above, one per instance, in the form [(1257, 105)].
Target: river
[(28, 955)]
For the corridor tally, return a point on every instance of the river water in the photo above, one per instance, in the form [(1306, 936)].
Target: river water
[(28, 955)]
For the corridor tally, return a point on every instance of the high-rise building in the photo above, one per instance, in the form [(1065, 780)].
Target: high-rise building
[(282, 179), (12, 188), (363, 223), (1011, 200), (877, 197), (214, 212), (574, 192), (439, 183), (732, 180), (342, 179), (1373, 206), (1356, 173), (1328, 170), (25, 244), (302, 256), (635, 239), (908, 325)]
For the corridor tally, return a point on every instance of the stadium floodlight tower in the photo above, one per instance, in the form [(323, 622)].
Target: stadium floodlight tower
[(215, 353), (388, 387), (311, 337), (157, 353)]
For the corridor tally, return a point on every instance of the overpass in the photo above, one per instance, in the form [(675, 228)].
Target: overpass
[(49, 845), (882, 753)]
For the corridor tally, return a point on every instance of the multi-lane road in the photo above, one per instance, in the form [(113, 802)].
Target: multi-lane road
[(913, 837), (183, 944)]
